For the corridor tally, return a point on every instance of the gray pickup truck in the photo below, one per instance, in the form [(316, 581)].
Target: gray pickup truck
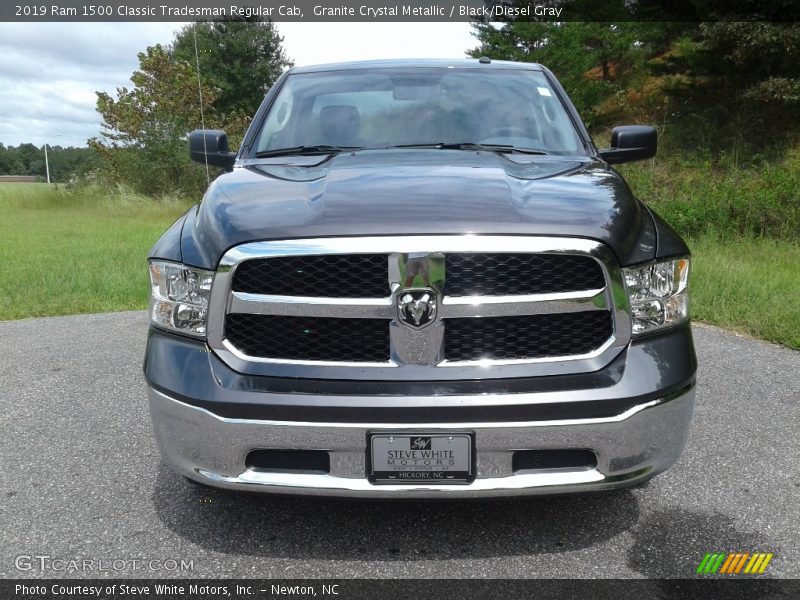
[(420, 279)]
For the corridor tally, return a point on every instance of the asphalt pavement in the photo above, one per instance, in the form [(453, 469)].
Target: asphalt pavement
[(81, 479)]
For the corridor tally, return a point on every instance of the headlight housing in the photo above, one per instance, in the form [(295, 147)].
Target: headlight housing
[(658, 294), (179, 297)]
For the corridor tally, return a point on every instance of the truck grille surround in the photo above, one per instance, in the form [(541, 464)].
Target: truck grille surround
[(418, 307)]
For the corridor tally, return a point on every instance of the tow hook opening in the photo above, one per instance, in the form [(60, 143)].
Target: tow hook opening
[(290, 461), (537, 460)]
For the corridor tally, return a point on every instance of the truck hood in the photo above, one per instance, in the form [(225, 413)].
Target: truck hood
[(417, 192)]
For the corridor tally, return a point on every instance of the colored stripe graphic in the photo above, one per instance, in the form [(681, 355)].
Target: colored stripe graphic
[(717, 563), (704, 563), (734, 566), (751, 564), (731, 563), (732, 558), (711, 563), (765, 563), (741, 562)]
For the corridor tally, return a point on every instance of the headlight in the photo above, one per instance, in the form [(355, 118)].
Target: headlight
[(179, 297), (658, 294)]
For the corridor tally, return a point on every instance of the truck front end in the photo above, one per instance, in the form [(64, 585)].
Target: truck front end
[(457, 307)]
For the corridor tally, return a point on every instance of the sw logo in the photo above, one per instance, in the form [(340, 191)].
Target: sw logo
[(734, 563), (421, 443)]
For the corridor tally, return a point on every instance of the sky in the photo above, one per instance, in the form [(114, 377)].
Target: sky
[(49, 72)]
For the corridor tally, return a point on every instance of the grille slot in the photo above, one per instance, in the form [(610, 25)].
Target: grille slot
[(309, 338), (508, 274), (526, 336), (332, 276)]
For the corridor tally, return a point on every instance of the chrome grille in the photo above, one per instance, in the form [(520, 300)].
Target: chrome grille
[(470, 274), (331, 307), (526, 336), (334, 276), (497, 274), (310, 338)]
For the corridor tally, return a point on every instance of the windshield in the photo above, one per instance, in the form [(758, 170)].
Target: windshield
[(422, 106)]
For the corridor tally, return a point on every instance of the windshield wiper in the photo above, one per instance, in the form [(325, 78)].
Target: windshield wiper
[(329, 149), (301, 150), (508, 148)]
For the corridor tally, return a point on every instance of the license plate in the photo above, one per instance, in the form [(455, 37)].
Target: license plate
[(431, 458)]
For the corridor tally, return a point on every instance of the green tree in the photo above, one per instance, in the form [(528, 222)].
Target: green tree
[(9, 161), (242, 59), (591, 60), (143, 141), (728, 80), (69, 163), (31, 158)]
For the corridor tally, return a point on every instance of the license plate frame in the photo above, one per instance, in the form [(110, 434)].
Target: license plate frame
[(460, 472)]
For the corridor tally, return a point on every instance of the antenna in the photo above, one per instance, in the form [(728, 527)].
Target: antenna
[(200, 93)]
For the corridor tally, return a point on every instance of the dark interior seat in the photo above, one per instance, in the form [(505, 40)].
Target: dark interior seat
[(340, 125)]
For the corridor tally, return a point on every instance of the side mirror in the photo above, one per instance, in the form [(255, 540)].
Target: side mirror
[(211, 146), (630, 143)]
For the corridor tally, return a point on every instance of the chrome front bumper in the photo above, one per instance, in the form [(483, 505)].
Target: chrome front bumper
[(631, 447)]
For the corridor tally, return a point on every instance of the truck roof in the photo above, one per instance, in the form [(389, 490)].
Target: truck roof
[(398, 63)]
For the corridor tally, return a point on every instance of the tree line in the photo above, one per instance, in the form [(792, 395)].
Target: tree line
[(719, 89), (723, 90), (66, 164), (142, 143), (143, 139)]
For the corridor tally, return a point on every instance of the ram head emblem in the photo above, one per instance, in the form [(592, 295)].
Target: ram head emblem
[(416, 308)]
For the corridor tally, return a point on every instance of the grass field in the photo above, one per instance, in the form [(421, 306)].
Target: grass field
[(85, 251), (76, 252), (748, 285), (699, 198)]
